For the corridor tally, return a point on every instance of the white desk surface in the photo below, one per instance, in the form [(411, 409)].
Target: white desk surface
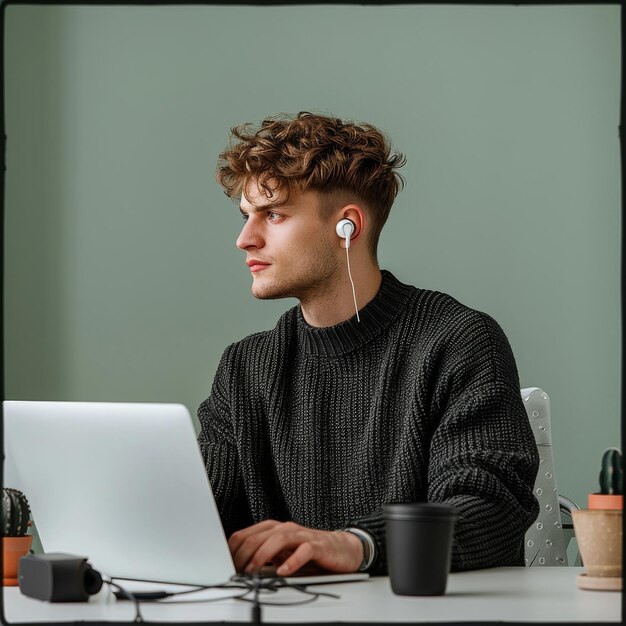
[(510, 594)]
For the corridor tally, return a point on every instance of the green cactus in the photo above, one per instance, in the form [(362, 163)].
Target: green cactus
[(611, 474), (15, 513)]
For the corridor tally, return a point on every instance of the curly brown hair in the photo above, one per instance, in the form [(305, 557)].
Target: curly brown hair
[(343, 161)]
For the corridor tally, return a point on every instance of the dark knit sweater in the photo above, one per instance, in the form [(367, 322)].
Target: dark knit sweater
[(420, 401)]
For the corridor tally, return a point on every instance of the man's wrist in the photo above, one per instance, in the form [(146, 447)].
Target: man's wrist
[(367, 545)]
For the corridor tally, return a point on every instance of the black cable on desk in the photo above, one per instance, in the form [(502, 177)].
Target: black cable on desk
[(130, 596), (256, 607), (251, 584)]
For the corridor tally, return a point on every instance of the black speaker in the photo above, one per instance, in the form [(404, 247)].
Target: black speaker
[(58, 577)]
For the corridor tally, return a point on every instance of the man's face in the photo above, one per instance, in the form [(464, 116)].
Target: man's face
[(290, 249)]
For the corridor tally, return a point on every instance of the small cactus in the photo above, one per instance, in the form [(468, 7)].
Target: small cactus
[(611, 474), (15, 513)]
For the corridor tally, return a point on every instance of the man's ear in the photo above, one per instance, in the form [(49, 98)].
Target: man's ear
[(356, 215)]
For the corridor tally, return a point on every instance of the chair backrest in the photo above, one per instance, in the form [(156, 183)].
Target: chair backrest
[(544, 540)]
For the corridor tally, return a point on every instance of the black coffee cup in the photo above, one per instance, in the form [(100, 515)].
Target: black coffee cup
[(419, 546)]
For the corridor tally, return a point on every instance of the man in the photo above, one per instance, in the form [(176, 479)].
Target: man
[(370, 390)]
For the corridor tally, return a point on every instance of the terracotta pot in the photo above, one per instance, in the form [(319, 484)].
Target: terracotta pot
[(599, 537), (605, 501), (13, 549)]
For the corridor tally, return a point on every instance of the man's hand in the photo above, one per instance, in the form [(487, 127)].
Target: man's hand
[(290, 546)]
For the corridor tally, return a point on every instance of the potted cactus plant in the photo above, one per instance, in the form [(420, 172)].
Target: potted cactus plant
[(16, 542), (611, 495), (598, 529)]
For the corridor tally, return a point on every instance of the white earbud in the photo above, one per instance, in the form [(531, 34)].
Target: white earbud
[(344, 229)]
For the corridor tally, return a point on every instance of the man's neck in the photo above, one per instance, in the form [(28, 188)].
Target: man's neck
[(337, 303)]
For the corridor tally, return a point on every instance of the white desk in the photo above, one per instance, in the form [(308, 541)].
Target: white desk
[(512, 594)]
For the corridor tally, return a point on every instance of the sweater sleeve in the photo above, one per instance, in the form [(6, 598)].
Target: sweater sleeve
[(483, 459), (218, 448), (483, 456)]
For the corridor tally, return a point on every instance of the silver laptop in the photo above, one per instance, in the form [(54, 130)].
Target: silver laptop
[(124, 485)]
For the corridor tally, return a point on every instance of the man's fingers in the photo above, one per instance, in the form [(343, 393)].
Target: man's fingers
[(291, 546), (303, 554), (281, 557), (248, 549), (244, 543), (238, 537), (276, 541)]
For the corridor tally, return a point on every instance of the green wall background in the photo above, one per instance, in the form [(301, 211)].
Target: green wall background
[(122, 278)]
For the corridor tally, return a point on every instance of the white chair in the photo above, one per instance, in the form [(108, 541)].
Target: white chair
[(545, 541)]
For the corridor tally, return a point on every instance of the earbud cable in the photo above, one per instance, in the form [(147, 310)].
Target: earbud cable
[(356, 308)]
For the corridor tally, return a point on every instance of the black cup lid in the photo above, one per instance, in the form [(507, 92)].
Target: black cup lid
[(419, 510)]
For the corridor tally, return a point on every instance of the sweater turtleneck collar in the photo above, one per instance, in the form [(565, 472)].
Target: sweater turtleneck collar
[(350, 335)]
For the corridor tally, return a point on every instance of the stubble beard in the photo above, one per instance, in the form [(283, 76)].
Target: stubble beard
[(310, 283)]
